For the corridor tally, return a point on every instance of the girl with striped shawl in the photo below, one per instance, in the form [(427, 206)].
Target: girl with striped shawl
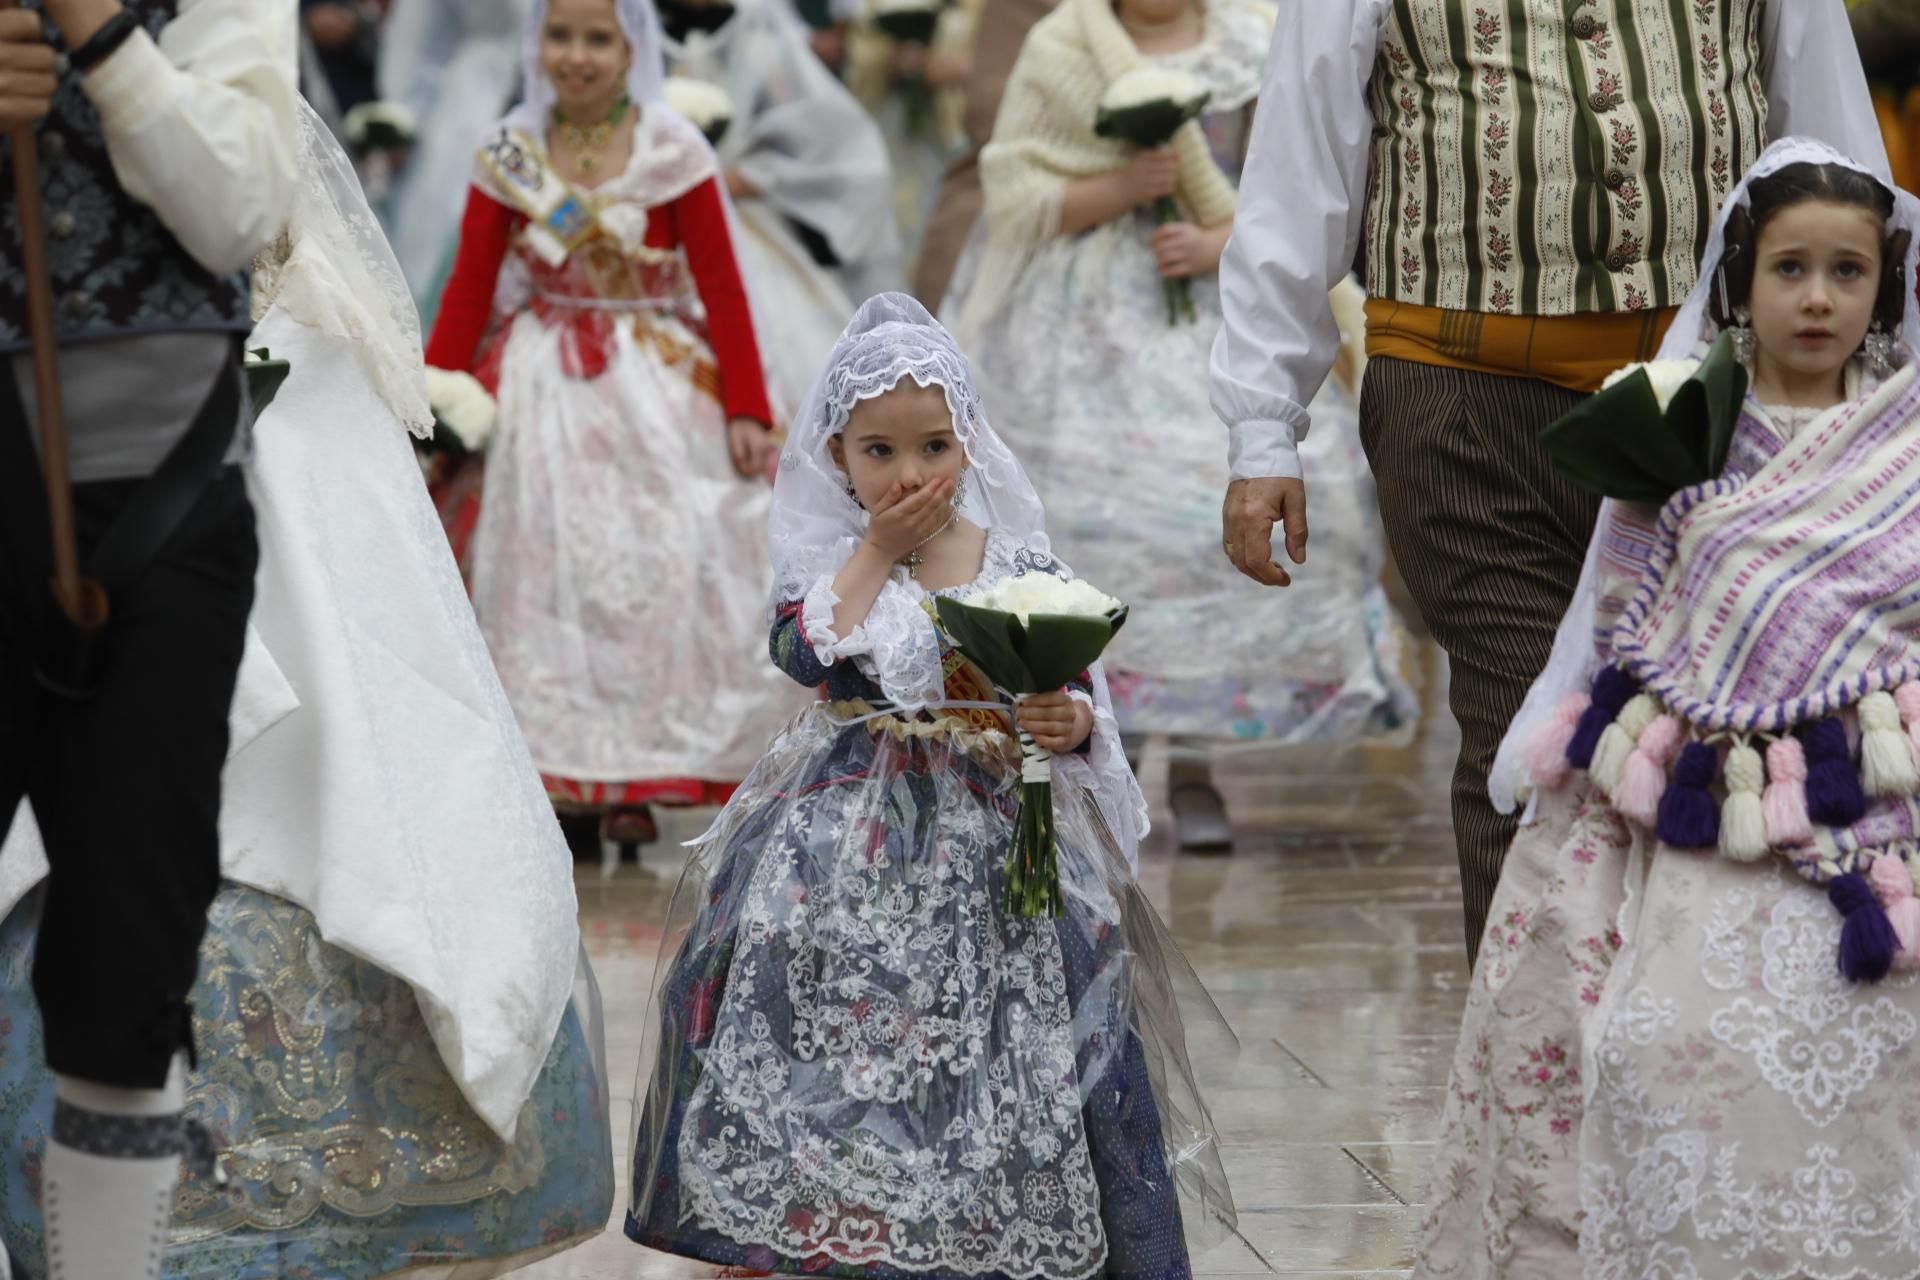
[(1691, 1042)]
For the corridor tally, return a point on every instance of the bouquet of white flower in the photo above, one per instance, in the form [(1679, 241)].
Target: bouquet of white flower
[(1653, 429), (464, 414), (1146, 107), (380, 126), (1032, 634), (911, 22), (707, 105)]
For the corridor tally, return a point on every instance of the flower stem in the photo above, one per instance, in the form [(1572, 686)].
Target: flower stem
[(1179, 293)]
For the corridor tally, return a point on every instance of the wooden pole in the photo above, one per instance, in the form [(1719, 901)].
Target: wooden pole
[(83, 602)]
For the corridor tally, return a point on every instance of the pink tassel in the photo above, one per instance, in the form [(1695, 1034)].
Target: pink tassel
[(1547, 761), (1907, 698), (1893, 885), (1784, 806), (1644, 779)]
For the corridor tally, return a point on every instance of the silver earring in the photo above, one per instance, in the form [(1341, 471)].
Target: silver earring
[(1743, 345), (959, 492), (1879, 349)]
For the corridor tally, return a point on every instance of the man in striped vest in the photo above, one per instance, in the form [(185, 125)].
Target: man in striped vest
[(1529, 186)]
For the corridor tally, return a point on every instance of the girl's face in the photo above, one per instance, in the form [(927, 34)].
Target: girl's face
[(904, 437), (1816, 278), (585, 56)]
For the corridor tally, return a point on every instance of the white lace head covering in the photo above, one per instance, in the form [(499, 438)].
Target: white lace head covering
[(1576, 656), (639, 22), (1694, 324), (816, 523), (333, 270)]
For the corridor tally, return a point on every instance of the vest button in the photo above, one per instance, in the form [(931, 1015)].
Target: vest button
[(1615, 179), (1600, 102), (1616, 261), (54, 143), (76, 305), (1584, 26), (61, 224)]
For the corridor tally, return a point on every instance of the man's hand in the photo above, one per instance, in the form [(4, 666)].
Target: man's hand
[(1247, 518), (27, 79)]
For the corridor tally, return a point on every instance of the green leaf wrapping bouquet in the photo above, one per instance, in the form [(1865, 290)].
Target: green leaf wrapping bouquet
[(1032, 634), (1653, 429), (265, 375), (1146, 107)]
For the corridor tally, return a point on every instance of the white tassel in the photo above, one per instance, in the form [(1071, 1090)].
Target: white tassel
[(1619, 739), (1743, 826), (1887, 764)]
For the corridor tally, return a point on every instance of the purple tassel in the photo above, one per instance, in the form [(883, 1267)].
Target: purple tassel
[(1868, 942), (1613, 688), (1834, 794), (1688, 818)]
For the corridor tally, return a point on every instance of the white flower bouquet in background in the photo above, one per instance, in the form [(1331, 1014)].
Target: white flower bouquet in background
[(464, 413), (707, 105), (1146, 107), (1032, 634), (911, 22)]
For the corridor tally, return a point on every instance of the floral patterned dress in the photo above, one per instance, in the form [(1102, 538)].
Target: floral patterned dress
[(346, 1148)]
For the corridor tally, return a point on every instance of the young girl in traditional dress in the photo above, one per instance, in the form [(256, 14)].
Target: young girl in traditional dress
[(1692, 1043), (864, 1065), (808, 172), (400, 1059), (1106, 398), (622, 529)]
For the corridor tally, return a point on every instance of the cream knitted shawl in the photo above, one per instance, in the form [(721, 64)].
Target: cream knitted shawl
[(1043, 138)]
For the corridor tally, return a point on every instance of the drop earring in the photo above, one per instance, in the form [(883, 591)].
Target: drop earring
[(1743, 344), (1879, 351)]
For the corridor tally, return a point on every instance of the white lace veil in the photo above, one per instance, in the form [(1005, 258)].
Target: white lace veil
[(639, 22), (816, 524), (332, 269), (1577, 652)]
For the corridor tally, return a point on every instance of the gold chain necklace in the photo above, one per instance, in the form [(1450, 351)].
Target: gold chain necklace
[(587, 141)]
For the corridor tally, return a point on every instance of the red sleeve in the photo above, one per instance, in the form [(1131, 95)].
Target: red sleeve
[(466, 304), (700, 219)]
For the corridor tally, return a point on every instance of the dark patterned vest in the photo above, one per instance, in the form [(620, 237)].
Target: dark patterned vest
[(117, 270)]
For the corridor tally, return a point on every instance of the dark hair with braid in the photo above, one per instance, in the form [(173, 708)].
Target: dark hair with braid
[(1795, 184)]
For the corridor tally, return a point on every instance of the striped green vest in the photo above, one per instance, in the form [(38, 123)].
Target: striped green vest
[(1552, 157)]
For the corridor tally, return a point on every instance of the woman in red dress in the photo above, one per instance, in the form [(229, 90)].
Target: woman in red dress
[(619, 562)]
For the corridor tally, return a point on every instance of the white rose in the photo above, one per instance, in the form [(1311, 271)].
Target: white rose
[(1667, 377), (462, 406), (1033, 593), (1145, 84), (703, 103)]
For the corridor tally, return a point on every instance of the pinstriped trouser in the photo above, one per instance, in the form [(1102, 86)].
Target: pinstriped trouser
[(1490, 540)]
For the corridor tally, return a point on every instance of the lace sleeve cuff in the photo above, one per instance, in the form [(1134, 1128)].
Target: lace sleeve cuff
[(896, 645)]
